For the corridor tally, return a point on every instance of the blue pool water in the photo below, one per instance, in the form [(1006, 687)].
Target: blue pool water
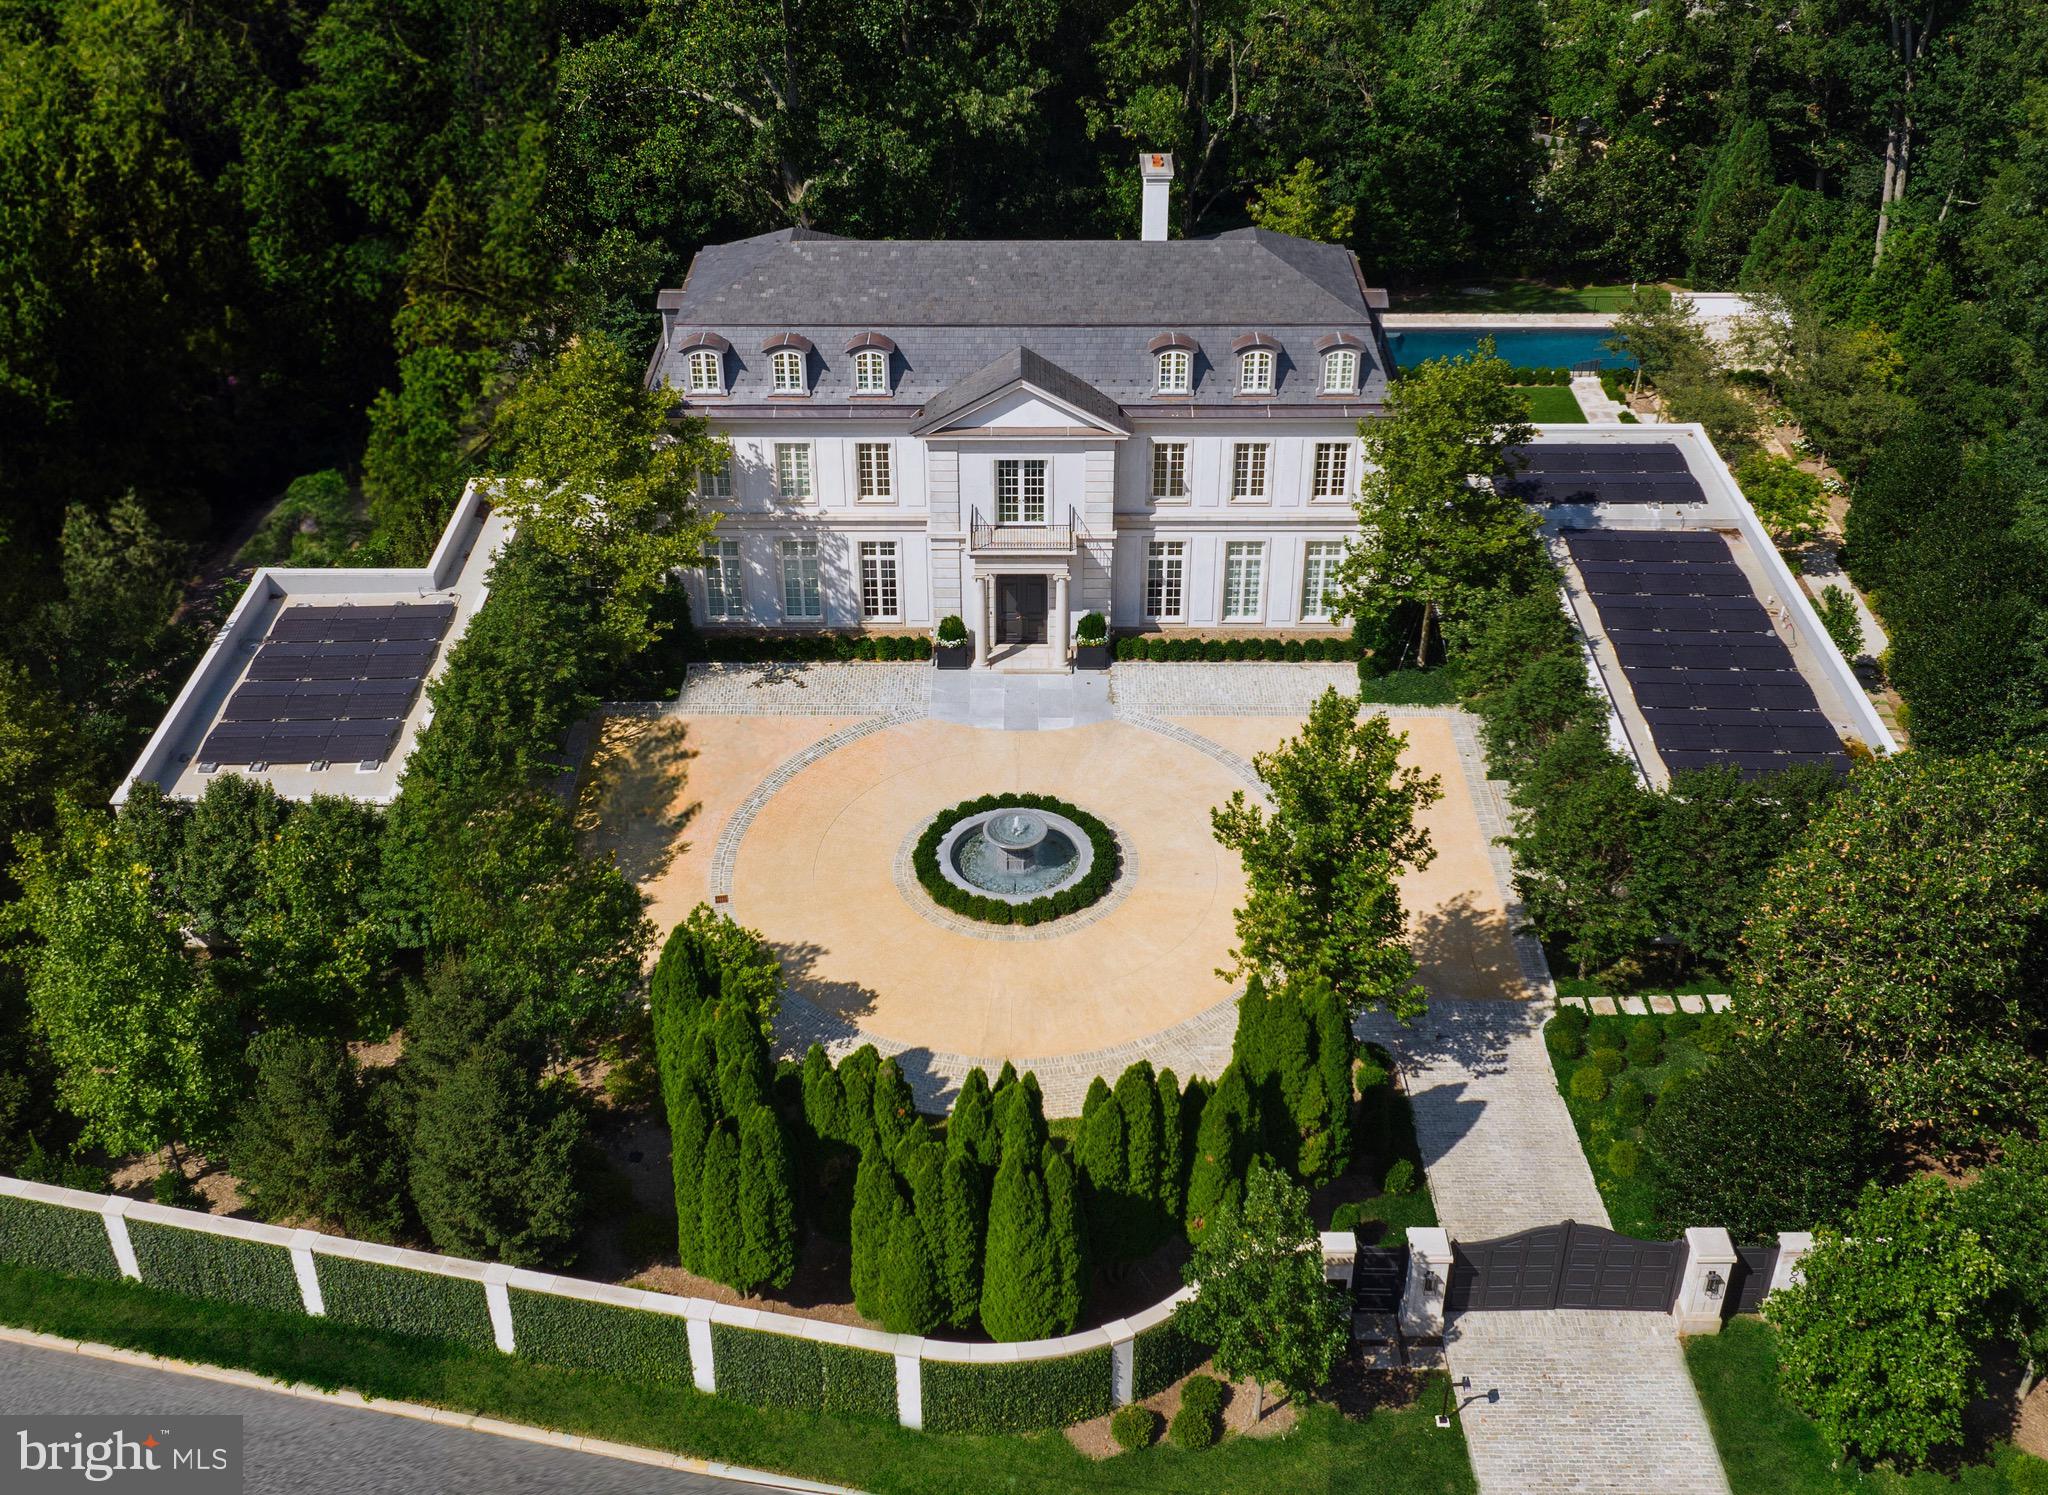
[(1535, 348)]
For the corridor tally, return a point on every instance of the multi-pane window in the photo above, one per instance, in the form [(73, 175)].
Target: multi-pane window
[(792, 470), (1319, 579), (1176, 371), (706, 377), (871, 372), (1169, 470), (1248, 472), (1165, 562), (787, 366), (724, 593), (871, 460), (715, 482), (878, 590), (1255, 372), (1244, 580), (1020, 492), (1340, 371), (802, 601), (1333, 469)]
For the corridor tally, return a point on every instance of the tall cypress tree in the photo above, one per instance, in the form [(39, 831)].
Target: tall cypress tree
[(742, 1059), (688, 1133), (1137, 1096), (1173, 1149), (1069, 1238), (1105, 1161), (1020, 1119), (895, 1107), (1098, 1092), (965, 1192), (824, 1098), (857, 1080), (1020, 1292), (876, 1202), (1325, 1154), (767, 1204), (718, 1206), (972, 1129), (1222, 1152), (911, 1296)]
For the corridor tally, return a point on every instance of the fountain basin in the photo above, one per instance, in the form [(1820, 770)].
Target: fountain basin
[(1015, 854)]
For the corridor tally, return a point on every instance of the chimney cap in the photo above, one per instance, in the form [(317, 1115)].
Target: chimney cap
[(1155, 166)]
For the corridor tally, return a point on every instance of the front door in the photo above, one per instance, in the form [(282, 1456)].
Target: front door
[(1020, 609)]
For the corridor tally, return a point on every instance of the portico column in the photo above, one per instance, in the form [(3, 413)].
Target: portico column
[(1059, 617), (981, 620)]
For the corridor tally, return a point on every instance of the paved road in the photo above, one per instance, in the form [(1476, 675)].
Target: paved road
[(294, 1445)]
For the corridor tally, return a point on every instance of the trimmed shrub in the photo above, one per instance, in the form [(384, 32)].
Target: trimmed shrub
[(200, 1264), (1610, 1062), (1092, 629), (581, 1335), (780, 1370), (55, 1238), (1400, 1178), (1564, 1042), (402, 1301), (1090, 889), (1624, 1158), (1589, 1084), (1204, 1394), (1018, 1398), (1574, 1020), (1199, 1422), (1629, 1102), (1134, 1427)]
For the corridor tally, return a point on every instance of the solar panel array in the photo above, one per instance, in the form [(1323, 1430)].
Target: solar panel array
[(1635, 472), (1716, 684), (330, 684)]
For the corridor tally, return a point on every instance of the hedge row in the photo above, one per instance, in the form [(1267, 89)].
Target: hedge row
[(404, 1301), (581, 1335), (1090, 889), (780, 1370), (1021, 1397), (200, 1264), (1159, 649), (813, 648), (1162, 1355), (55, 1238)]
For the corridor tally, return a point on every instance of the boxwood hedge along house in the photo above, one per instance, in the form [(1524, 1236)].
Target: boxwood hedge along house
[(1021, 432)]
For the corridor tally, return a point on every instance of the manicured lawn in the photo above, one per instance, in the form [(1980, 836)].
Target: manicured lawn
[(1769, 1448), (1600, 1125), (1551, 403), (1520, 296), (1381, 1450), (1442, 686), (1572, 986)]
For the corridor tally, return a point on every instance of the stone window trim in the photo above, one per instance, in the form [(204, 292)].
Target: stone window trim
[(1169, 482), (1330, 472), (803, 585), (871, 374), (724, 583), (1165, 598), (796, 474), (1257, 372), (1319, 562), (881, 591), (1244, 575), (1023, 490), (1251, 472), (874, 472), (1340, 371), (1176, 372), (703, 371), (789, 374)]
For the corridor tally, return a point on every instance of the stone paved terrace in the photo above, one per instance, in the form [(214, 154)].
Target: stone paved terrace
[(1247, 688)]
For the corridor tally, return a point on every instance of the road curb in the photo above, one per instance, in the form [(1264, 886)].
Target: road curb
[(475, 1422)]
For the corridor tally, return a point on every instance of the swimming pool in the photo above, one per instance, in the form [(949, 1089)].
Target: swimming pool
[(1530, 348)]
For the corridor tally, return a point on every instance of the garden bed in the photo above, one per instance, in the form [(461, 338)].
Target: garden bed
[(1643, 1055)]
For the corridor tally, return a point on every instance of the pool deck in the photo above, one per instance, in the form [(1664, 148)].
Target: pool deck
[(1500, 321)]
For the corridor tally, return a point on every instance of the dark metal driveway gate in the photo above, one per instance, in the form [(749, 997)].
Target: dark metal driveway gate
[(1565, 1266)]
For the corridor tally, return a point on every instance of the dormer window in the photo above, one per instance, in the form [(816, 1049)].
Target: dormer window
[(1255, 372), (871, 372), (1176, 371), (705, 372), (1340, 371), (787, 368)]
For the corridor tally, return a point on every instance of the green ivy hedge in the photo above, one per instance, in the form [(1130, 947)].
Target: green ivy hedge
[(1090, 889), (1162, 1355), (404, 1301), (200, 1264), (813, 648), (581, 1335), (779, 1370), (1022, 1397), (1182, 650), (56, 1238)]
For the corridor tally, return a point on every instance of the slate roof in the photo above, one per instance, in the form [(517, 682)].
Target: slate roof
[(1020, 365), (1087, 307)]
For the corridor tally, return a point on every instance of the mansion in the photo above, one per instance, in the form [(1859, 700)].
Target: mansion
[(1022, 432)]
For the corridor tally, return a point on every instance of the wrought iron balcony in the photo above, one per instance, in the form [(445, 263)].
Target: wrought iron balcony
[(1022, 539)]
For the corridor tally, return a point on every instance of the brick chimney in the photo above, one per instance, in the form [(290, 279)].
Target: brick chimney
[(1155, 168)]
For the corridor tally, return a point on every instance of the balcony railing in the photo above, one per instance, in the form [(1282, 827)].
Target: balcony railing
[(1022, 539)]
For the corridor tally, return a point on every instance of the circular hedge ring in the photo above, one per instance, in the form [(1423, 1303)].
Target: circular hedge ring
[(924, 860)]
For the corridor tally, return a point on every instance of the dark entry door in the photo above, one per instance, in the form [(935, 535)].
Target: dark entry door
[(1020, 610)]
